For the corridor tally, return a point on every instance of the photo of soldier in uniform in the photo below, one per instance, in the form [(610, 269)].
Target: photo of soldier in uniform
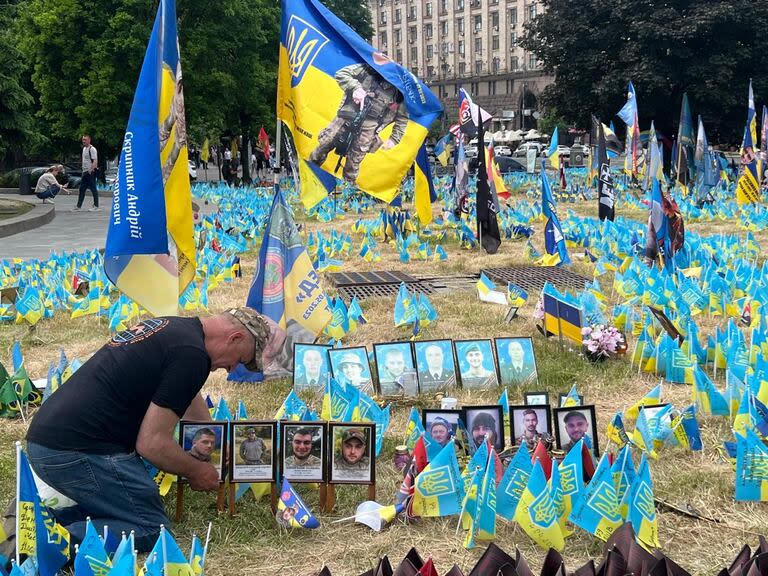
[(395, 369), (303, 451), (476, 363), (517, 361), (485, 421), (575, 423), (353, 459), (435, 364), (252, 451), (204, 441), (311, 368), (529, 425), (350, 366), (440, 424), (370, 104)]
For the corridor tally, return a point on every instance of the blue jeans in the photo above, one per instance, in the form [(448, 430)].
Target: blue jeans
[(88, 181), (113, 489)]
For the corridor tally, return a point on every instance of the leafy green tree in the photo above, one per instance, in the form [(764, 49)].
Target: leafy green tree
[(355, 13), (16, 120), (665, 47)]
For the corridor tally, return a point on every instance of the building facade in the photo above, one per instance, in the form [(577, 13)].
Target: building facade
[(466, 43)]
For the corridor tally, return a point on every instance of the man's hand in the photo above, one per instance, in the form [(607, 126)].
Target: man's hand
[(206, 477), (388, 143), (359, 95)]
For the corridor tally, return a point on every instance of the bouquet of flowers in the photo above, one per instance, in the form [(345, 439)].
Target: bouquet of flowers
[(601, 342)]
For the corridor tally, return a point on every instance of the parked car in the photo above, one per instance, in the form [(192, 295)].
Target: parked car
[(69, 176), (502, 150), (505, 163), (522, 150)]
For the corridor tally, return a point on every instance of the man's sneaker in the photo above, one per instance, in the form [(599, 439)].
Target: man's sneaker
[(94, 209), (76, 209)]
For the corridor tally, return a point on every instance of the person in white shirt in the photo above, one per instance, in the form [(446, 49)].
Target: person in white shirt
[(47, 186), (90, 163)]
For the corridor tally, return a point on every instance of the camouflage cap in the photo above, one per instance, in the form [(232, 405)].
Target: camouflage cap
[(258, 328), (351, 433)]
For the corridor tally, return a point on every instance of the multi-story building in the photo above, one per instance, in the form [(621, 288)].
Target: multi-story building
[(466, 43)]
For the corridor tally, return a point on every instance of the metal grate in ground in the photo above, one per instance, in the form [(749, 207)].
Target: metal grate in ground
[(532, 278), (380, 277), (363, 291)]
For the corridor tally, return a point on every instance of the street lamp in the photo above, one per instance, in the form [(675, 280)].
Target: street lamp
[(522, 106)]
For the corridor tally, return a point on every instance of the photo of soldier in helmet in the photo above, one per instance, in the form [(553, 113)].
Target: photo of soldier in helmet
[(370, 104)]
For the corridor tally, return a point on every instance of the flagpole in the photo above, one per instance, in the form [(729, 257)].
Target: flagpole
[(205, 547), (18, 494), (278, 151)]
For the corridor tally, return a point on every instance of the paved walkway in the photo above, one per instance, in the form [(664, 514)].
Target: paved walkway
[(70, 231)]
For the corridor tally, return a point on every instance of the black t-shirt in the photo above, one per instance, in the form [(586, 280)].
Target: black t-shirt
[(100, 408)]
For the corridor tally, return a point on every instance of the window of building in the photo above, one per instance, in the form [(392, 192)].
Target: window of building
[(495, 20), (414, 54), (430, 51), (495, 42), (383, 38), (512, 39), (412, 13), (461, 47), (514, 63), (428, 30), (412, 34), (459, 4), (398, 16), (398, 36), (428, 9), (478, 66), (532, 64), (444, 28), (460, 25), (443, 6), (444, 48), (478, 45), (478, 22), (383, 17), (492, 87), (531, 11), (512, 16), (399, 56), (430, 71), (462, 68), (474, 87)]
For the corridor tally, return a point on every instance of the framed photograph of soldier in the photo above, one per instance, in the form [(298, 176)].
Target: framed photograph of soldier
[(530, 424), (574, 423), (441, 424), (477, 367), (562, 397), (353, 454), (435, 364), (303, 451), (253, 451), (311, 367), (517, 361), (536, 398), (350, 366), (485, 421), (395, 369), (205, 441)]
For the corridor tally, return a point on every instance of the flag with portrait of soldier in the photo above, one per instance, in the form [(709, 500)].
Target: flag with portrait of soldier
[(351, 110)]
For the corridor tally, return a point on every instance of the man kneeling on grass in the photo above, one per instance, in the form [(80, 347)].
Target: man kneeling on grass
[(125, 402)]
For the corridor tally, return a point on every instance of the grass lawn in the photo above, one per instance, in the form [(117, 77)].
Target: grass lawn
[(252, 544)]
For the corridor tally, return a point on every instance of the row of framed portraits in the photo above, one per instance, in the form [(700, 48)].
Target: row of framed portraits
[(426, 366), (528, 424), (265, 450)]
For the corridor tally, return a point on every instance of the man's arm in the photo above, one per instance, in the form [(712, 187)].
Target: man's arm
[(155, 443), (198, 410)]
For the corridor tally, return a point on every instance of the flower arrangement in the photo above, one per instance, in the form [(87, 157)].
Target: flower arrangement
[(601, 342)]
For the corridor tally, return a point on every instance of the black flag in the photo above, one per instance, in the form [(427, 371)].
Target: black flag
[(605, 192), (487, 207)]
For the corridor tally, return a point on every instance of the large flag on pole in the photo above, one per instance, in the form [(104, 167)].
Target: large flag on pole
[(685, 144), (423, 188), (748, 187), (554, 240), (487, 204), (605, 191), (628, 114), (351, 110), (150, 249)]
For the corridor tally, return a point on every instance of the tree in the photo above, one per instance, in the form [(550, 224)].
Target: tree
[(665, 47), (16, 121), (355, 13)]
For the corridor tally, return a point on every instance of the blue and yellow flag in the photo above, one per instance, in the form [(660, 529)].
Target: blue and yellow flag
[(315, 184), (91, 558), (439, 489), (291, 510), (150, 249), (197, 556), (537, 513), (748, 186), (597, 511), (553, 232), (423, 187), (513, 483), (653, 397), (174, 561), (351, 110), (552, 153), (642, 509), (444, 148), (751, 468)]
